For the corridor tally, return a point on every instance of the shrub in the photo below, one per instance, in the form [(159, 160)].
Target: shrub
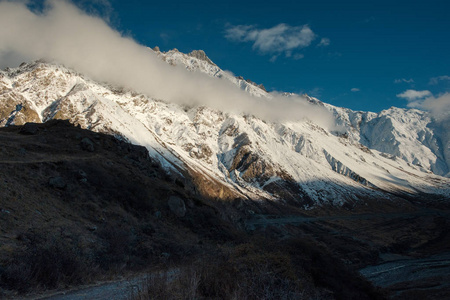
[(48, 263), (233, 274), (261, 269)]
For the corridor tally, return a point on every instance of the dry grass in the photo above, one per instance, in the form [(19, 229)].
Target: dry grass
[(47, 263), (260, 269)]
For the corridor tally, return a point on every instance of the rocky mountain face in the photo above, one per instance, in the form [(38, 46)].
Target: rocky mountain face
[(396, 151)]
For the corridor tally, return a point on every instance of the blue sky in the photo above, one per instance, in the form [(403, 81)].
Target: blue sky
[(363, 55)]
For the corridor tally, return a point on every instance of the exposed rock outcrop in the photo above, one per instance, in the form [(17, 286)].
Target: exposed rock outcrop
[(200, 54)]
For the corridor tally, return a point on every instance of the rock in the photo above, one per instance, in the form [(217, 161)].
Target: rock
[(261, 86), (80, 174), (190, 203), (29, 128), (177, 206), (200, 54), (57, 182), (238, 203), (87, 145), (91, 228), (156, 49)]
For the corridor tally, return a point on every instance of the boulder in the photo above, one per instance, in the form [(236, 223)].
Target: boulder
[(57, 182)]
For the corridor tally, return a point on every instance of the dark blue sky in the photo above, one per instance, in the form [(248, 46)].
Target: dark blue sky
[(377, 48)]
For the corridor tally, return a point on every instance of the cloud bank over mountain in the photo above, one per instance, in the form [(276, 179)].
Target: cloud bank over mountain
[(439, 106), (64, 33)]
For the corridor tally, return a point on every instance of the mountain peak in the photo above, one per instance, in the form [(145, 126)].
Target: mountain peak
[(200, 54)]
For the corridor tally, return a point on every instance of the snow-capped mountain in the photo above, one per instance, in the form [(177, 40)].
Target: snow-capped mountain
[(232, 155)]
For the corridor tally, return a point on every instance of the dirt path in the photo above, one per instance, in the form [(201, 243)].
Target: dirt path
[(394, 272), (117, 290), (430, 275)]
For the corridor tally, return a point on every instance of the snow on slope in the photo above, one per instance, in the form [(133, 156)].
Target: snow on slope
[(409, 134), (405, 133), (393, 151), (205, 65)]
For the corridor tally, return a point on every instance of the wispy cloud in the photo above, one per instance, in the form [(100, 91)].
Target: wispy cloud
[(404, 80), (86, 43), (333, 55), (164, 36), (101, 8), (315, 92), (369, 19), (438, 106), (355, 90), (436, 80), (281, 38), (414, 95), (324, 42)]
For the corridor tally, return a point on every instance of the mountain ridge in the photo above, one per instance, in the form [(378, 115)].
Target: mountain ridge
[(240, 155)]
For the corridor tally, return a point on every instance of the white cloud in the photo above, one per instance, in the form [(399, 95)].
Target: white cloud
[(414, 95), (281, 38), (238, 33), (324, 42), (64, 33), (274, 58), (439, 107), (355, 90), (403, 80), (436, 80)]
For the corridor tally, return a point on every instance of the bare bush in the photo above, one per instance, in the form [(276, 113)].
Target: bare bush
[(227, 276), (169, 285), (48, 263)]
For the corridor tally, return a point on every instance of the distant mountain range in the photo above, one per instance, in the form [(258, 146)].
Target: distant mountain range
[(236, 155)]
